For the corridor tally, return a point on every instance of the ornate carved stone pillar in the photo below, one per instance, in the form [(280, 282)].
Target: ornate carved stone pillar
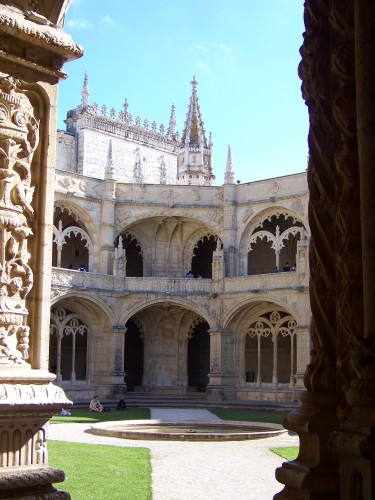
[(221, 377), (354, 441), (34, 49), (336, 420)]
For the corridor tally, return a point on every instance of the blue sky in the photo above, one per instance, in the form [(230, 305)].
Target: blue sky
[(244, 54)]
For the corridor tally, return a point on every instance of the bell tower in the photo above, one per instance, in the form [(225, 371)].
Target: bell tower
[(195, 157)]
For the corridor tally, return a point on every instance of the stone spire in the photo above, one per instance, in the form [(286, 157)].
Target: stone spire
[(229, 170), (195, 158), (172, 123), (109, 172), (85, 92)]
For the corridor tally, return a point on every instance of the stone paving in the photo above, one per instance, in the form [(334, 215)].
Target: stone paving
[(237, 470)]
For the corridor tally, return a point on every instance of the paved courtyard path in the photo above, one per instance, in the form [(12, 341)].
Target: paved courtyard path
[(237, 470)]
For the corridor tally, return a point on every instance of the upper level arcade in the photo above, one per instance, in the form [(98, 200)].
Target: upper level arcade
[(154, 232)]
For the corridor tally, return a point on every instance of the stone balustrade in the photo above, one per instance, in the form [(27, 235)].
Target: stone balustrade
[(85, 280)]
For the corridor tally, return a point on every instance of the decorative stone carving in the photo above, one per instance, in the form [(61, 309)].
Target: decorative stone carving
[(19, 137)]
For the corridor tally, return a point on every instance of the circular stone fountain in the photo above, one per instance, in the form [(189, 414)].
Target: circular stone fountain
[(187, 431)]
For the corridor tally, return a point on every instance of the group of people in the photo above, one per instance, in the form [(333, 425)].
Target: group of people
[(96, 406), (286, 268)]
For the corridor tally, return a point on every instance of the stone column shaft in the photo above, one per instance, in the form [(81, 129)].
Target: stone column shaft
[(34, 49)]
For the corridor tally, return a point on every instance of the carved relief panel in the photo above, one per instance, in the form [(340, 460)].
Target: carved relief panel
[(19, 138)]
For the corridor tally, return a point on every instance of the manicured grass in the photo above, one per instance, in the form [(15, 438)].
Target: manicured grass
[(96, 472), (84, 416), (288, 452), (249, 415)]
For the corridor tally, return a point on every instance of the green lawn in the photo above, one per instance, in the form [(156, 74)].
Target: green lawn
[(84, 416), (102, 472), (288, 452), (249, 415)]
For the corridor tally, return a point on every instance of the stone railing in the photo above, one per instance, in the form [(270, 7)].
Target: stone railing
[(170, 285), (259, 282), (78, 279), (248, 284)]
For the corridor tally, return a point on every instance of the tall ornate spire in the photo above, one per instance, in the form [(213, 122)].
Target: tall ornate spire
[(172, 123), (195, 158), (229, 170), (85, 92), (109, 169)]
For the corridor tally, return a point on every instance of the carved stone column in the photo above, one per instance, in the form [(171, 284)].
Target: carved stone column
[(354, 441), (221, 384), (336, 419), (33, 51)]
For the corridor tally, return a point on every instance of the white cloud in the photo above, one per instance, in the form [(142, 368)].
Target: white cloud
[(204, 67), (79, 24), (223, 47), (201, 48), (108, 20)]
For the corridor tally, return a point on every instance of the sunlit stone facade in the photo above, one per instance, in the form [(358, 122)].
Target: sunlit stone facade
[(136, 207)]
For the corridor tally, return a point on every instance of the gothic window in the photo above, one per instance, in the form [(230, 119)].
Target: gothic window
[(71, 242), (270, 350), (273, 244), (68, 346)]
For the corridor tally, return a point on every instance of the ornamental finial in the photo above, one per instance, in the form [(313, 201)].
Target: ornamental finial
[(85, 94)]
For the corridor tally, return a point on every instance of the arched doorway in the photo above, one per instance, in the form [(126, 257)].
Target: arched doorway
[(133, 355), (198, 355)]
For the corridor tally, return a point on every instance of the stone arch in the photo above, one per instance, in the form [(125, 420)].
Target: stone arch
[(167, 328), (199, 311), (265, 341), (133, 253), (91, 306), (208, 238), (68, 345), (96, 316), (269, 241), (74, 237)]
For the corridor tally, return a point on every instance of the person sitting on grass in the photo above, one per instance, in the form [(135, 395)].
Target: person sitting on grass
[(95, 405), (121, 405)]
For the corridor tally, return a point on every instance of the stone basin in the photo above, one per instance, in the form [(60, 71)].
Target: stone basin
[(187, 430)]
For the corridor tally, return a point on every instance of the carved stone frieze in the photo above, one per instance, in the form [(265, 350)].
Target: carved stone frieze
[(71, 184), (19, 137)]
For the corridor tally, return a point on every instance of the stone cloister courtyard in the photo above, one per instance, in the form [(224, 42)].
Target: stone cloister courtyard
[(138, 237), (231, 470)]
